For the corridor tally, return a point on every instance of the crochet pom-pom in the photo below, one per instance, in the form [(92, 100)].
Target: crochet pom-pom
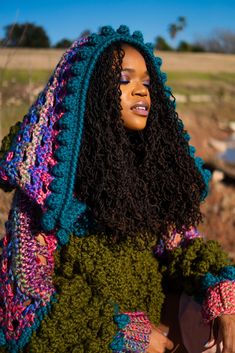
[(106, 31), (63, 236), (117, 344), (150, 46), (138, 35), (80, 207), (208, 280), (123, 29), (199, 162), (2, 338), (69, 102), (121, 320), (163, 77), (48, 221), (58, 169), (65, 121), (56, 185), (228, 272), (85, 53), (77, 68), (61, 153), (64, 137), (158, 60), (187, 136), (93, 39), (52, 201), (73, 84), (192, 150)]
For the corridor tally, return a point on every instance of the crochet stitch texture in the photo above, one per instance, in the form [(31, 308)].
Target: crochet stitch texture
[(41, 163)]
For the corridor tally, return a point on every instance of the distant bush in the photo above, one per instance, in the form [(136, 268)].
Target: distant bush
[(161, 44), (25, 35), (63, 43), (188, 47)]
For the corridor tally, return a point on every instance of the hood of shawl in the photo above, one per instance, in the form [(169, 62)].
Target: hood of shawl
[(43, 158)]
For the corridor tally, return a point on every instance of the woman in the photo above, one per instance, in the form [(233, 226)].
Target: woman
[(104, 218)]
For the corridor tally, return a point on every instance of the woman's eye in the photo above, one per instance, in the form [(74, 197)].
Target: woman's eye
[(124, 80), (146, 83)]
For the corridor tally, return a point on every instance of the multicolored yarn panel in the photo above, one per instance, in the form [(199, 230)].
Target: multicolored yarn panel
[(43, 158), (134, 333), (220, 300), (91, 275), (42, 163), (26, 288), (175, 239)]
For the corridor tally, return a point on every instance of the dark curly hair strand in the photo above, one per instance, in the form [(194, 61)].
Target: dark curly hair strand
[(135, 182)]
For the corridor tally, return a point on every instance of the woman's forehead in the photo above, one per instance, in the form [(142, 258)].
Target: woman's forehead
[(133, 59)]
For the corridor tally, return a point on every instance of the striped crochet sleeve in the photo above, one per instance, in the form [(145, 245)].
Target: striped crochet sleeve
[(219, 293), (185, 258), (200, 268), (133, 334)]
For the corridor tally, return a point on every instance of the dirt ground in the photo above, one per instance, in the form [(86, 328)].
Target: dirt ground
[(219, 207)]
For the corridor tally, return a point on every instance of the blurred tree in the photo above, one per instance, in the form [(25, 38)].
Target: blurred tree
[(197, 48), (26, 35), (181, 23), (222, 41), (63, 43), (161, 44), (174, 28), (184, 46)]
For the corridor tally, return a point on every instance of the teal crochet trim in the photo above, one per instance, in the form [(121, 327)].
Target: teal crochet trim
[(209, 280), (227, 273), (206, 174), (63, 208), (118, 342), (15, 346), (121, 320)]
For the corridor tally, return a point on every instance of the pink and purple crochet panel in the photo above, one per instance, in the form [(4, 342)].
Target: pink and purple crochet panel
[(27, 265), (31, 157)]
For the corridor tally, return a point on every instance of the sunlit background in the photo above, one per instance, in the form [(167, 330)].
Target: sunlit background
[(196, 40)]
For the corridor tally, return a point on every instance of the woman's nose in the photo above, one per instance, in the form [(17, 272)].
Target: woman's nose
[(140, 90)]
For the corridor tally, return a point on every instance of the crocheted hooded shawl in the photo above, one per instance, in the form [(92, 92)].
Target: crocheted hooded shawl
[(41, 164)]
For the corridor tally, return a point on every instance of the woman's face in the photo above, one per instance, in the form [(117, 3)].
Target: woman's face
[(134, 85)]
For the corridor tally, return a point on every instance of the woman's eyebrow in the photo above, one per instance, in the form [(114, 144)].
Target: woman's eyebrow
[(133, 70)]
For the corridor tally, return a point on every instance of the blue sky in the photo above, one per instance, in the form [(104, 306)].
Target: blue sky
[(68, 18)]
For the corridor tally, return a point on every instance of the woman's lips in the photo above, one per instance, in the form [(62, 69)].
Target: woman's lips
[(140, 108)]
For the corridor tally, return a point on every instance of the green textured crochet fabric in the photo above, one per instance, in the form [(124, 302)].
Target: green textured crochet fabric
[(42, 159), (91, 275)]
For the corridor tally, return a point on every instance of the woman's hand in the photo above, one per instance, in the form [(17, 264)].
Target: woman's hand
[(158, 341), (227, 331)]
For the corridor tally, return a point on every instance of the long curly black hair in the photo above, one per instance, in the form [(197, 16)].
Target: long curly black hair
[(135, 182)]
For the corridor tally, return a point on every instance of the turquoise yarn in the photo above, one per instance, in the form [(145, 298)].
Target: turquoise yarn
[(61, 209), (121, 320), (118, 342), (210, 280), (15, 346)]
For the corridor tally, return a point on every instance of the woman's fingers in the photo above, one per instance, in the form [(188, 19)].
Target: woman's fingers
[(158, 341), (227, 327), (169, 344)]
